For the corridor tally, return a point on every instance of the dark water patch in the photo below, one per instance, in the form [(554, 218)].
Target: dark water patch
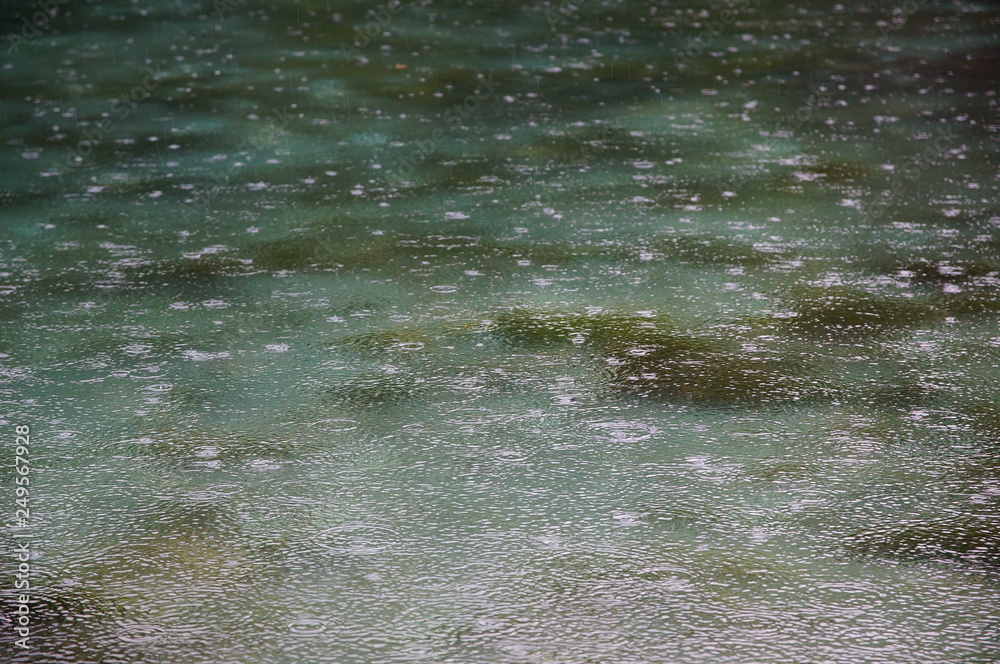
[(443, 250), (984, 417), (981, 301), (655, 357), (359, 305), (965, 538), (901, 394), (714, 250), (547, 253), (10, 312), (522, 326), (410, 343), (466, 173), (295, 252), (86, 221), (590, 144), (682, 521), (441, 375), (575, 574), (55, 285), (207, 446), (347, 252), (965, 279), (391, 341), (433, 88), (824, 175), (166, 517), (99, 145), (708, 377), (841, 311), (376, 392), (24, 196), (781, 470), (966, 70), (105, 339), (188, 271), (940, 270)]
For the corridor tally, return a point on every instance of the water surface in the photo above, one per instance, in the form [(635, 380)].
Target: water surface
[(592, 332)]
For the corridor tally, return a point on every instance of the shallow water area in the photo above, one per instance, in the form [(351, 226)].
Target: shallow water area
[(544, 332)]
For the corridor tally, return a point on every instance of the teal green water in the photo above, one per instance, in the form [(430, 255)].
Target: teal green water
[(592, 332)]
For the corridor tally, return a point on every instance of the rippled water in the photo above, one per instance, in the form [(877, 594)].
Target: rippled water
[(520, 332)]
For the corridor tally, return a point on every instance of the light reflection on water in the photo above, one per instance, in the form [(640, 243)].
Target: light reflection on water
[(644, 363)]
